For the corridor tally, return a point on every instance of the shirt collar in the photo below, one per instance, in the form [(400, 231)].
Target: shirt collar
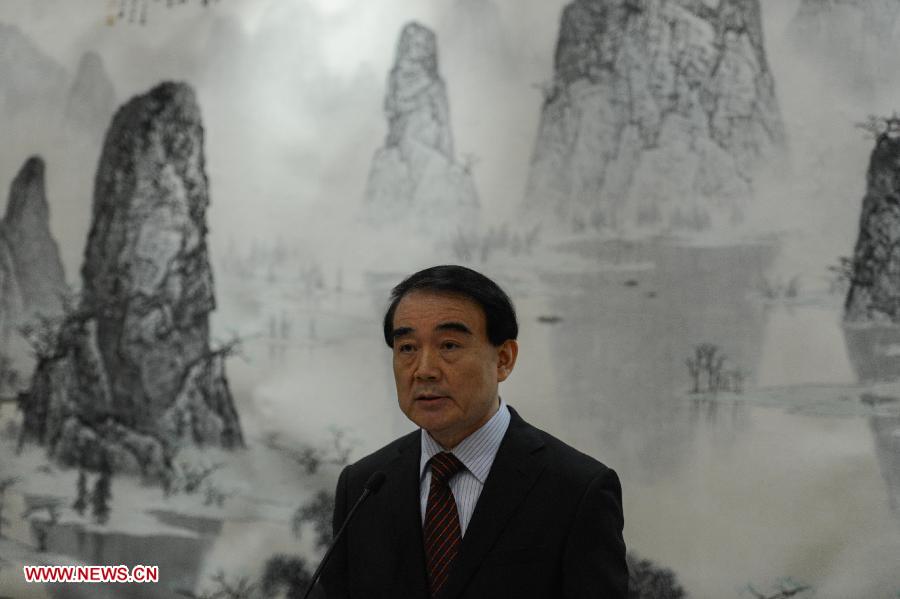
[(477, 451)]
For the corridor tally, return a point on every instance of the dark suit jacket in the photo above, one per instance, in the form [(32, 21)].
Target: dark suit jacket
[(547, 525)]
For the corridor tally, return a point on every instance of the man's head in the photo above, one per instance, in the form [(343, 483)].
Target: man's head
[(453, 334)]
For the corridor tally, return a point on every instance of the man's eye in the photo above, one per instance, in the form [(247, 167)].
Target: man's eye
[(405, 348), (449, 345)]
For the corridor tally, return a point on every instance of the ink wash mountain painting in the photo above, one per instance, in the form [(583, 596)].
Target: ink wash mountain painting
[(690, 202)]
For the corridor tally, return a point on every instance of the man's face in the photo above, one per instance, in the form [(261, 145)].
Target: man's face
[(446, 370)]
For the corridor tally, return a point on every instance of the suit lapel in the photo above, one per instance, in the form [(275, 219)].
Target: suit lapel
[(405, 509), (514, 471)]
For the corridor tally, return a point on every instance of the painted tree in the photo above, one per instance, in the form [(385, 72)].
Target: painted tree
[(648, 580), (701, 363), (41, 526), (241, 588), (784, 589), (708, 365), (317, 512), (102, 493), (9, 376), (136, 11), (285, 573), (82, 494), (5, 485)]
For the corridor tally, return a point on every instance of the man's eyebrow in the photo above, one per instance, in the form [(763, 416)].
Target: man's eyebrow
[(401, 332), (454, 326)]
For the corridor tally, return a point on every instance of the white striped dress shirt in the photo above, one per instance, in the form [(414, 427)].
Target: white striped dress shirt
[(477, 453)]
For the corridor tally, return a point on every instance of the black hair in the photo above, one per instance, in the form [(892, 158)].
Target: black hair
[(499, 314)]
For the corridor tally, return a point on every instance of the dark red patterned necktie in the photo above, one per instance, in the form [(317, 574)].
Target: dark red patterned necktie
[(441, 530)]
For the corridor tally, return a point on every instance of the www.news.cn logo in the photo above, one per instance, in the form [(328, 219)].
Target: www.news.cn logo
[(120, 573)]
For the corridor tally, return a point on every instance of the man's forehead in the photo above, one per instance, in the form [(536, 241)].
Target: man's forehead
[(437, 308)]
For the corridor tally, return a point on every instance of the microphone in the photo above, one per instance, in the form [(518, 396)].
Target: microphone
[(370, 488)]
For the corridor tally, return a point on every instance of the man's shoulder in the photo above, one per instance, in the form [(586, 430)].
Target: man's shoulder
[(562, 459), (380, 458)]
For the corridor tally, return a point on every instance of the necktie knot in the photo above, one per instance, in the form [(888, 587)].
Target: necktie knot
[(443, 466)]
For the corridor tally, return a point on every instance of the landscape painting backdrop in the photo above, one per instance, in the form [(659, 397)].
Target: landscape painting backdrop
[(693, 204)]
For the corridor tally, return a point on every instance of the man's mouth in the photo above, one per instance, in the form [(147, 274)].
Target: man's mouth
[(429, 396)]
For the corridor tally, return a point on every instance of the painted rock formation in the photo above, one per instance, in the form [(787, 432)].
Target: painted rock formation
[(32, 82), (874, 294), (414, 178), (131, 376), (92, 99), (659, 116), (31, 272)]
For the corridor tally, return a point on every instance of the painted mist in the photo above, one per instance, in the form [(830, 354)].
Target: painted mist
[(693, 204)]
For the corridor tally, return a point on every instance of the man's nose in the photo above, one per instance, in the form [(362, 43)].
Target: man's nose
[(427, 366)]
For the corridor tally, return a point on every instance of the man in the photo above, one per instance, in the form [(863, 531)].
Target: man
[(477, 504)]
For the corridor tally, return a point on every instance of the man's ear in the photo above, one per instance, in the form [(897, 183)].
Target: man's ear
[(506, 358)]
